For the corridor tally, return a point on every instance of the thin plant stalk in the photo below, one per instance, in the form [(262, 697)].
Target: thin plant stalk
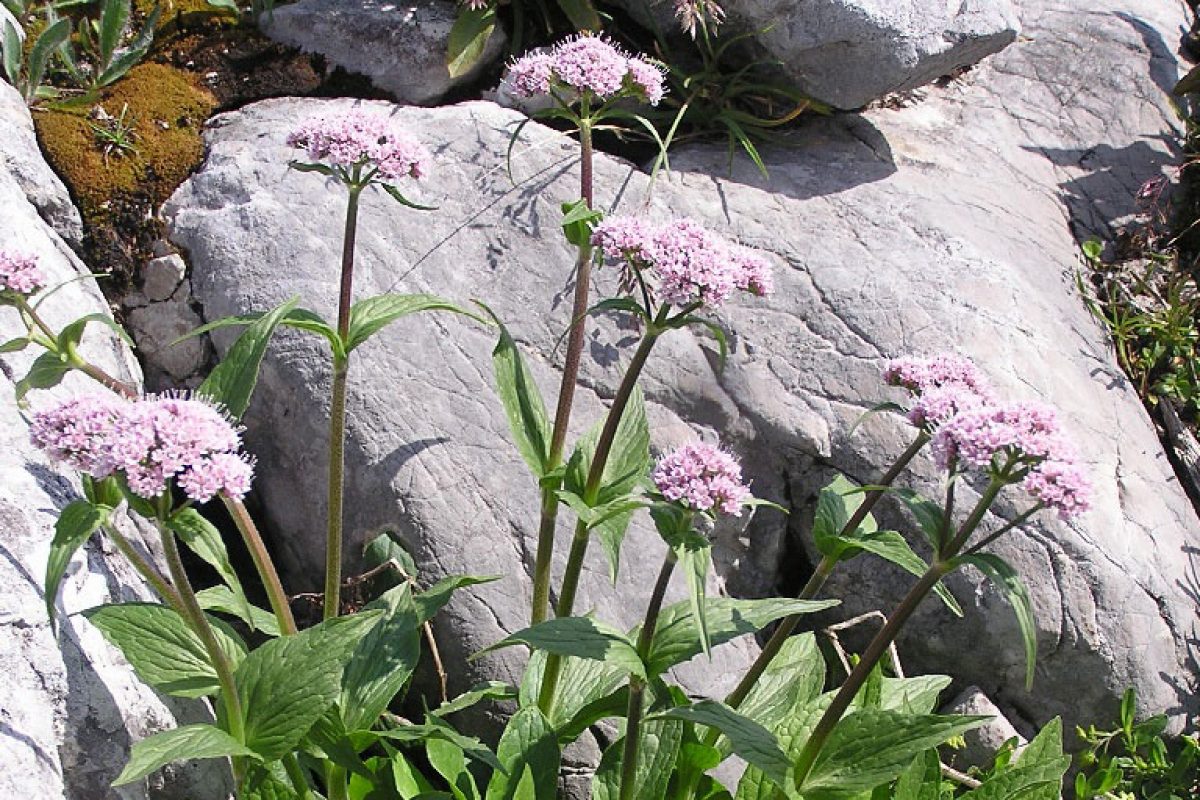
[(566, 391), (262, 563), (76, 361), (144, 568), (637, 686), (337, 417), (942, 565)]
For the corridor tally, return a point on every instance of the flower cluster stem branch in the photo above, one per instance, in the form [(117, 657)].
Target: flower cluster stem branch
[(637, 686), (263, 563), (337, 417), (152, 576), (566, 393)]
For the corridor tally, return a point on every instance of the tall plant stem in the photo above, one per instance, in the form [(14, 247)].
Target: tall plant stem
[(817, 580), (637, 686), (337, 417), (199, 623), (579, 542), (942, 565), (144, 568), (566, 390), (263, 563)]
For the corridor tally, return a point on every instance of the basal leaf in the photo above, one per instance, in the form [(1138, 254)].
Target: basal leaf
[(754, 743), (187, 743), (656, 756), (529, 751), (382, 661)]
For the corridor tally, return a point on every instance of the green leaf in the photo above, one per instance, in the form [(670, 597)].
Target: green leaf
[(891, 546), (1037, 774), (583, 637), (15, 345), (751, 741), (383, 661), (587, 691), (581, 13), (918, 695), (222, 600), (523, 404), (203, 539), (529, 751), (468, 39), (39, 55), (922, 780), (46, 372), (795, 677), (656, 756), (1006, 578), (232, 382), (792, 731), (163, 651), (75, 524), (187, 743), (387, 548), (450, 762), (835, 504), (929, 515), (298, 318), (488, 690), (579, 219), (717, 332), (114, 14), (433, 599), (694, 554), (399, 197), (675, 638), (11, 46), (369, 316), (70, 336), (872, 747), (289, 683), (437, 729), (134, 53)]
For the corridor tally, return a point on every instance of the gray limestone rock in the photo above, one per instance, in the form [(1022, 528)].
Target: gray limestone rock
[(849, 52), (161, 277), (401, 47), (157, 329), (982, 742), (945, 225)]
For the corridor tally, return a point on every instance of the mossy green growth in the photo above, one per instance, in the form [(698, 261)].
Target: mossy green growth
[(168, 110), (173, 11)]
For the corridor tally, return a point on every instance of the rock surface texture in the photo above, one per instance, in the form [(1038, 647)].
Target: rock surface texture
[(401, 47), (947, 224), (69, 704), (849, 52)]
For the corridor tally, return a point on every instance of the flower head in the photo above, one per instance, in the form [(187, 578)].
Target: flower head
[(77, 433), (19, 273), (586, 65), (365, 138), (688, 263), (693, 13), (942, 385), (1060, 483), (702, 478)]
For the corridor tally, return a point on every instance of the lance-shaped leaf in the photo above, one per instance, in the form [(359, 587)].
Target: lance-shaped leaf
[(891, 546), (468, 39), (70, 336), (694, 554), (203, 539), (75, 524), (298, 318), (383, 660), (1037, 774), (436, 729), (793, 731), (46, 372), (754, 743), (222, 600), (578, 221), (188, 743), (433, 599), (523, 404), (1007, 580), (587, 691), (369, 316), (657, 753), (232, 382), (582, 637)]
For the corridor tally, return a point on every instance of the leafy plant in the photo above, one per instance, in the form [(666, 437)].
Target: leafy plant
[(117, 136), (28, 73), (1134, 762), (102, 61)]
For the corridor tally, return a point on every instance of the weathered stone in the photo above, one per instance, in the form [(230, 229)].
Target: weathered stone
[(156, 329), (982, 742), (21, 158), (934, 227), (161, 277), (849, 52), (401, 47), (69, 704)]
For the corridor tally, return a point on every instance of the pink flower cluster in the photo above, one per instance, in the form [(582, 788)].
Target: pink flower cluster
[(19, 273), (151, 441), (688, 263), (703, 478), (942, 386), (586, 64), (367, 137)]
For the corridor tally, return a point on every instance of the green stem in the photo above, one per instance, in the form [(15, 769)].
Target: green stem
[(296, 775), (994, 536), (633, 714), (887, 635), (76, 361), (146, 570), (199, 623), (566, 391), (263, 563), (337, 416), (336, 786)]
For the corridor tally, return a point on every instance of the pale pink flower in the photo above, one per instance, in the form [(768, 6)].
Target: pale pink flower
[(585, 64), (701, 477), (19, 273), (1060, 483), (78, 432), (942, 386), (363, 137)]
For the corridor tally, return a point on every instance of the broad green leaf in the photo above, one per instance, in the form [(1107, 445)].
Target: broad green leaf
[(70, 336), (203, 539), (46, 372), (187, 743), (1046, 746), (330, 736), (922, 779), (232, 382), (749, 740), (50, 40), (163, 651), (433, 599), (267, 781), (76, 523), (795, 677), (1037, 775), (1007, 580), (872, 747), (488, 690), (437, 729), (836, 502), (918, 695), (656, 756), (369, 316), (523, 404), (581, 13), (529, 751), (468, 39), (578, 221), (583, 637), (451, 763), (222, 600), (891, 546), (114, 14), (586, 693), (792, 731), (298, 318), (385, 548), (929, 515), (383, 660), (675, 638), (289, 683)]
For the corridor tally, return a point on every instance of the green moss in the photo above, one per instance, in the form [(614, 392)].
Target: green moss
[(169, 110), (175, 11)]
